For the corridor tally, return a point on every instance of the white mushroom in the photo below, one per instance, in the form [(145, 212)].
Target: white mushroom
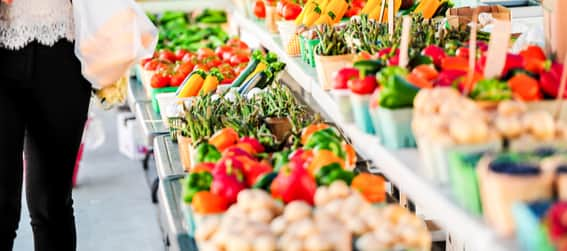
[(237, 243), (207, 228), (511, 108), (468, 131), (297, 210), (265, 243), (540, 124), (339, 189), (317, 243), (278, 225), (322, 196), (303, 228), (263, 215)]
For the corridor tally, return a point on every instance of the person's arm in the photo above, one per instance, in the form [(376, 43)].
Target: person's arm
[(7, 1)]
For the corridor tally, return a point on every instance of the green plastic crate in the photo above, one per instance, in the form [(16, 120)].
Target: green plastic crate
[(156, 91)]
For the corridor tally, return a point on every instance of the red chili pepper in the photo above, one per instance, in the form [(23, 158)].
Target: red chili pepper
[(550, 80), (228, 179), (294, 183)]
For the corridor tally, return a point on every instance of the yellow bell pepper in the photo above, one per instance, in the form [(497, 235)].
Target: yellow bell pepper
[(334, 12), (428, 7), (369, 6), (314, 13), (192, 84), (211, 82)]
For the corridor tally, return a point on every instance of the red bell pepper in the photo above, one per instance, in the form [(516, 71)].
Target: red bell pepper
[(301, 157), (256, 171), (435, 52), (392, 57), (228, 179), (454, 63), (344, 75), (449, 77), (235, 151), (550, 80), (363, 86), (513, 61), (294, 183), (534, 59), (254, 143)]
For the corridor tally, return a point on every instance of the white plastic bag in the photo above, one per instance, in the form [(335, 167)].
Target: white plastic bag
[(111, 35)]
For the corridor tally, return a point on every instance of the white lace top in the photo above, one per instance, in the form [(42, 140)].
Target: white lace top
[(45, 21)]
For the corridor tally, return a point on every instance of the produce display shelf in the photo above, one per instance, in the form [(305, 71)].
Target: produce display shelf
[(170, 194), (168, 162), (400, 166), (152, 124), (136, 93)]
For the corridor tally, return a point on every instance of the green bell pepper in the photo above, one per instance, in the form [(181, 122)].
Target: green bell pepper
[(196, 182), (265, 181), (369, 67), (331, 173), (327, 139), (491, 90), (279, 159), (207, 153), (396, 91)]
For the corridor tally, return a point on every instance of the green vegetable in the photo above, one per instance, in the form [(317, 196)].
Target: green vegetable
[(271, 57), (419, 60), (328, 174), (326, 139), (254, 61), (196, 182), (396, 92), (169, 16), (206, 153), (369, 67), (491, 90), (280, 159), (265, 181), (255, 81)]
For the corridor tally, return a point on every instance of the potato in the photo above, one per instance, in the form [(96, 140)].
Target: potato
[(207, 228), (317, 242), (540, 124), (278, 225), (368, 242), (322, 196), (303, 228), (237, 243), (511, 108), (468, 131), (263, 215)]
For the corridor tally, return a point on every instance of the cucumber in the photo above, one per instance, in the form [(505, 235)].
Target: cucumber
[(244, 74), (253, 82)]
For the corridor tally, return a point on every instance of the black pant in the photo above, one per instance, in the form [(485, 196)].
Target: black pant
[(44, 102)]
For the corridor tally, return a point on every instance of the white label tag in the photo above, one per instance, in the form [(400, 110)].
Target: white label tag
[(391, 17), (497, 49), (404, 44)]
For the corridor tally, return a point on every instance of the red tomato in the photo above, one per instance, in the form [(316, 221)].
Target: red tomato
[(164, 67), (239, 68), (189, 58), (160, 80), (205, 53), (167, 55), (236, 43), (259, 9), (152, 65), (224, 52), (239, 59), (145, 61), (214, 62), (291, 11), (203, 67), (177, 79), (363, 86), (185, 68), (180, 54)]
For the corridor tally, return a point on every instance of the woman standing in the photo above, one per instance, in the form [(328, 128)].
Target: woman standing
[(44, 101)]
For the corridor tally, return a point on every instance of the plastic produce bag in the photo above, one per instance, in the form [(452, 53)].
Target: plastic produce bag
[(111, 35)]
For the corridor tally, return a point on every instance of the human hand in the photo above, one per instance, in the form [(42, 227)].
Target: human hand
[(7, 1)]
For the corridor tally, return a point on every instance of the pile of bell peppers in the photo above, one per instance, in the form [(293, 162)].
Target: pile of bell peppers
[(227, 164)]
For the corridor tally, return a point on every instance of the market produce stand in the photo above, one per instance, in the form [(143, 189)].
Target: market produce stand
[(401, 167)]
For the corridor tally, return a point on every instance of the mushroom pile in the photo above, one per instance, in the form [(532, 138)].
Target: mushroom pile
[(258, 222), (444, 116)]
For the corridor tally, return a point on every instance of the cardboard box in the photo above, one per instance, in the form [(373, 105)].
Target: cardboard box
[(464, 15)]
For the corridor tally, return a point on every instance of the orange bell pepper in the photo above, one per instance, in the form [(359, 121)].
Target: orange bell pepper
[(322, 158), (203, 167), (224, 138), (455, 63), (525, 87), (372, 187), (351, 158), (205, 202), (426, 72), (309, 130), (418, 81)]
